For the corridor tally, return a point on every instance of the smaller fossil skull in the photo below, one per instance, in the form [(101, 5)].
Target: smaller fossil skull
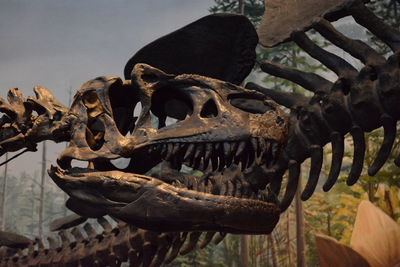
[(216, 125)]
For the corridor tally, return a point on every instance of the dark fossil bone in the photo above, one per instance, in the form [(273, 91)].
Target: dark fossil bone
[(195, 140), (89, 243), (99, 120), (85, 245), (97, 126), (233, 134), (355, 103), (20, 129)]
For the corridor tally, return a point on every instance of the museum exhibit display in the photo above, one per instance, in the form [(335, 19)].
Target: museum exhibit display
[(198, 112)]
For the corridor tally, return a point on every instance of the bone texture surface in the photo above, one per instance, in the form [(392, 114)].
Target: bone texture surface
[(238, 137), (357, 102), (100, 244)]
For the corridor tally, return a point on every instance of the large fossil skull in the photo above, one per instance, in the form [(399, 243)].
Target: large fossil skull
[(217, 125)]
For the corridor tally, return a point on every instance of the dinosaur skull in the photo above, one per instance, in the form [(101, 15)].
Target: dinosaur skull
[(217, 125)]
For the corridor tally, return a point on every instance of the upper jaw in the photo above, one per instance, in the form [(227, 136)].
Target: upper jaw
[(152, 204)]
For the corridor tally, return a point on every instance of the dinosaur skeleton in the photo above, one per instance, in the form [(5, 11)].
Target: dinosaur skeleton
[(358, 102), (84, 246), (219, 124)]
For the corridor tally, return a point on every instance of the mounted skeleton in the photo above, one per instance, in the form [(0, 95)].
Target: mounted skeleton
[(220, 124)]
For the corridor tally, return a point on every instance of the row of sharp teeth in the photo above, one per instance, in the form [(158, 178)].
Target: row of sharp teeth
[(215, 186), (217, 155)]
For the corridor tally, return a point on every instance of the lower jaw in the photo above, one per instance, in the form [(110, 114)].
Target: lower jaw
[(159, 206)]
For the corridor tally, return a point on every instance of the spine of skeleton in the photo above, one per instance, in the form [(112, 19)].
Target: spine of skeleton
[(357, 102), (84, 246)]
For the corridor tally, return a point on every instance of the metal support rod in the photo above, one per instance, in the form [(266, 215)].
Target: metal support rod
[(300, 228), (244, 250), (4, 197), (42, 187)]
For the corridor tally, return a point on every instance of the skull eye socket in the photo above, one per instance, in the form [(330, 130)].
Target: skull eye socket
[(171, 103), (249, 103), (124, 98), (209, 109)]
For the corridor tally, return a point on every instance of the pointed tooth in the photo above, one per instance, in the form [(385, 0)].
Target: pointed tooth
[(246, 191), (178, 184), (201, 164), (221, 163), (206, 163), (238, 189), (195, 184), (192, 185), (269, 155), (164, 150), (259, 194), (196, 163), (244, 160), (170, 148), (223, 189), (201, 187), (217, 185), (207, 239), (181, 152), (156, 148), (217, 146), (209, 187), (237, 160), (181, 185), (188, 183), (231, 188), (214, 186), (227, 149), (263, 146), (241, 148), (275, 150), (183, 146), (199, 151), (214, 162), (218, 157), (177, 164), (251, 157), (235, 146), (198, 155), (208, 151), (255, 145), (229, 162), (177, 147), (227, 188), (189, 152), (262, 196)]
